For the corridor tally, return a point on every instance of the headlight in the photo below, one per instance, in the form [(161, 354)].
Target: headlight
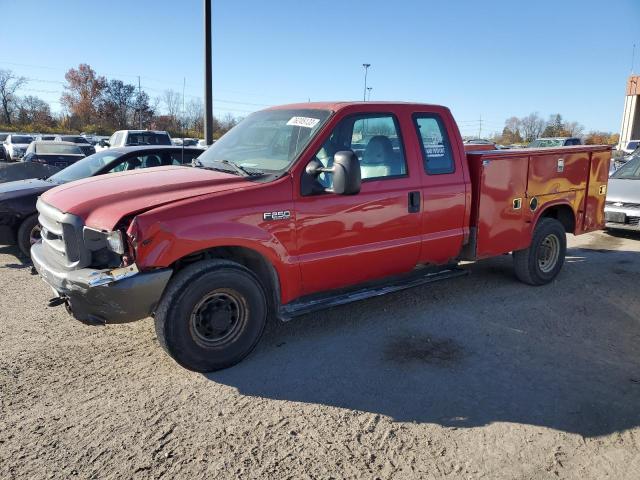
[(114, 242)]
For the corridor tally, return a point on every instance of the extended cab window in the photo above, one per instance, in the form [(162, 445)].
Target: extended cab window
[(436, 148), (140, 161), (374, 139), (177, 157)]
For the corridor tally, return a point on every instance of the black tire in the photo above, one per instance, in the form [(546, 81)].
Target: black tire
[(28, 234), (195, 317), (542, 261)]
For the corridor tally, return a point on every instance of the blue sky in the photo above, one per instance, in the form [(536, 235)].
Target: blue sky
[(491, 58)]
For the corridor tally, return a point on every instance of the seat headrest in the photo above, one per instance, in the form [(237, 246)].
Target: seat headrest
[(379, 150)]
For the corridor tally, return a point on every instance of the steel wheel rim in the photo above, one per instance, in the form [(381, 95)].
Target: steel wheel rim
[(218, 318), (548, 253), (35, 235)]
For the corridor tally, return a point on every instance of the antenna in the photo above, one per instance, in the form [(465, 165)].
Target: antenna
[(139, 104), (480, 128), (633, 58), (184, 83)]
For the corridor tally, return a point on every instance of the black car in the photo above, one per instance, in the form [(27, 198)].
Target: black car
[(18, 215), (56, 154), (84, 144)]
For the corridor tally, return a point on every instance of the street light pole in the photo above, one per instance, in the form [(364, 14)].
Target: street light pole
[(369, 93), (366, 69), (208, 97)]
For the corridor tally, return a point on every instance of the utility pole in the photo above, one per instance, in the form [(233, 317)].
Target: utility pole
[(480, 127), (139, 104), (633, 58), (366, 69), (369, 93), (208, 99)]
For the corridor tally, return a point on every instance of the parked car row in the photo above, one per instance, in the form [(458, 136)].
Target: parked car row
[(14, 146)]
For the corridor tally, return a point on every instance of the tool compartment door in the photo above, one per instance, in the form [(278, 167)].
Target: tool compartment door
[(596, 191), (557, 172), (501, 204)]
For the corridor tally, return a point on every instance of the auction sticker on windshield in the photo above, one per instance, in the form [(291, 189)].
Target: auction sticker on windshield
[(306, 122)]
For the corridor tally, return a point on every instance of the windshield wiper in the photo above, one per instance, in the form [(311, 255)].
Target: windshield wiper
[(239, 169)]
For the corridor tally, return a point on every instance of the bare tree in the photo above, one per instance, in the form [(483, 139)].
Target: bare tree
[(194, 115), (574, 129), (172, 101), (531, 126), (33, 110), (9, 83)]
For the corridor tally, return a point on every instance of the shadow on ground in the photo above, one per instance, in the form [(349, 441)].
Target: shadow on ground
[(21, 260), (472, 351)]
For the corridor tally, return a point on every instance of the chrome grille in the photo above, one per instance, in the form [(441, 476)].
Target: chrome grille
[(62, 236)]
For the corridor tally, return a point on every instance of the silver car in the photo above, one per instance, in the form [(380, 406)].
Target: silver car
[(622, 210)]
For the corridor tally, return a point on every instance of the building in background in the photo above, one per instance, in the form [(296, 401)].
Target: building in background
[(630, 129)]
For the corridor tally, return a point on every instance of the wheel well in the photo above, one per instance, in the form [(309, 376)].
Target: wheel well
[(246, 257), (564, 214)]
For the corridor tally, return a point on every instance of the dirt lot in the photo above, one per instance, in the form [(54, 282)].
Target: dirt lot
[(477, 377)]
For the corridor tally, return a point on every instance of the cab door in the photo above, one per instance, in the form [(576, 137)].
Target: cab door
[(445, 198), (344, 240)]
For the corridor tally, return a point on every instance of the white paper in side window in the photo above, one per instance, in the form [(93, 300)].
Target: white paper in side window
[(306, 122)]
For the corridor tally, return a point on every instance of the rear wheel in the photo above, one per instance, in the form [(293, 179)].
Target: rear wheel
[(212, 315), (28, 234), (542, 261)]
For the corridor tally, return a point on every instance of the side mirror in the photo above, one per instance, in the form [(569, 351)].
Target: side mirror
[(104, 143), (345, 172)]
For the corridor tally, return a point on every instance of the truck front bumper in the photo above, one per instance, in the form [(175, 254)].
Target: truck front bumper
[(120, 301)]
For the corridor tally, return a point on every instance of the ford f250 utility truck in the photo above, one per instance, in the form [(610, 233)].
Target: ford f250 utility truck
[(301, 207)]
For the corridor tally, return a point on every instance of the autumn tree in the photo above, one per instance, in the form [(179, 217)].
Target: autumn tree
[(117, 105), (601, 138), (9, 84), (511, 131), (82, 93)]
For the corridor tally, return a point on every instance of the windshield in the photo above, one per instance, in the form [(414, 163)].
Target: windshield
[(633, 145), (630, 170), (546, 142), (86, 167), (56, 148), (74, 139), (267, 141), (21, 139), (148, 138)]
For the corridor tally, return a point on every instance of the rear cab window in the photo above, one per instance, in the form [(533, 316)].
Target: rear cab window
[(148, 138), (437, 155)]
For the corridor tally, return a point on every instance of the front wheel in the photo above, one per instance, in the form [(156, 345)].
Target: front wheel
[(28, 234), (542, 261), (212, 315)]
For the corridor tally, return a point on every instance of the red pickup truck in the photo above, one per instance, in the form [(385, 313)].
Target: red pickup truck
[(301, 207)]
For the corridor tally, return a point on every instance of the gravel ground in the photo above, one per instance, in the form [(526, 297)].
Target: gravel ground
[(476, 377)]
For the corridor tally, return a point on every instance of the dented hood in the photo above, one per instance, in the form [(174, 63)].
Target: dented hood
[(103, 200)]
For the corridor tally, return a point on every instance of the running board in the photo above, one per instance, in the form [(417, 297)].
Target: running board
[(314, 303)]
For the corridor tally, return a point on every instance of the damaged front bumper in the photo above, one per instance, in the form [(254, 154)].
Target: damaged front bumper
[(103, 296)]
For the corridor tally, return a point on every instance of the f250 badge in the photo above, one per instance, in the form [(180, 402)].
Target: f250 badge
[(285, 215)]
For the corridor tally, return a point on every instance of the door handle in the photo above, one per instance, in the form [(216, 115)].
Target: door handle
[(414, 202)]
